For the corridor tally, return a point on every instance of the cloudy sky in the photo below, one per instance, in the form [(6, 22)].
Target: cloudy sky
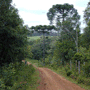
[(34, 12)]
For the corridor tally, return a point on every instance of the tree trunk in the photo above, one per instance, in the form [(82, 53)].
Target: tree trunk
[(43, 48), (76, 40), (79, 67)]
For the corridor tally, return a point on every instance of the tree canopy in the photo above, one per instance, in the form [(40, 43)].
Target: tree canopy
[(43, 28), (87, 13), (62, 12), (13, 35)]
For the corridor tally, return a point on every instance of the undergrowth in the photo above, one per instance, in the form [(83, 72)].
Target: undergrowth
[(18, 77)]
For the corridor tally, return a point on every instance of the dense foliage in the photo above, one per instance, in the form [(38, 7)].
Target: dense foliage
[(17, 77), (14, 75), (13, 35)]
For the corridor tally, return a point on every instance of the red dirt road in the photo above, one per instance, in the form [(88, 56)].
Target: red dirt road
[(52, 81)]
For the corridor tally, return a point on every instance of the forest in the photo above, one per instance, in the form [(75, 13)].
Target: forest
[(59, 46)]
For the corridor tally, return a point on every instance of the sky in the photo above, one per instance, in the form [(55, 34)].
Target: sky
[(34, 12)]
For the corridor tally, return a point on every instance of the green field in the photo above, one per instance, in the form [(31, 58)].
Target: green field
[(33, 38), (38, 37)]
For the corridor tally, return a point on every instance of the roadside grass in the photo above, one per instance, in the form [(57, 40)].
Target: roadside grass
[(34, 62), (19, 77)]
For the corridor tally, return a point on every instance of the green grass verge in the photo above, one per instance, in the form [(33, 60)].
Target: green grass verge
[(34, 62)]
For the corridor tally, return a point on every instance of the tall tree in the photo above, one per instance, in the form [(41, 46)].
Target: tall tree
[(43, 29), (61, 14), (87, 13), (71, 31), (12, 34), (87, 28)]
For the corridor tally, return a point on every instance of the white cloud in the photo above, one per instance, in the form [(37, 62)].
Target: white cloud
[(44, 5), (32, 18), (39, 4)]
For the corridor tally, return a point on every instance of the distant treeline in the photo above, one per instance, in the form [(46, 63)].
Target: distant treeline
[(40, 34)]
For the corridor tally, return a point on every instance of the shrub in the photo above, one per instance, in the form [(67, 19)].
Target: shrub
[(12, 78), (67, 68), (69, 73), (47, 61), (80, 80), (54, 66), (87, 69), (7, 77), (87, 81), (78, 57)]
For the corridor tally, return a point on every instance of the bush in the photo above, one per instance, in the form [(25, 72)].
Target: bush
[(80, 80), (14, 78), (78, 57), (48, 60), (69, 73), (87, 69), (67, 67), (54, 66), (87, 81), (7, 77)]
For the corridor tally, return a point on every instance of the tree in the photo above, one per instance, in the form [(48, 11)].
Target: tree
[(67, 19), (63, 50), (71, 32), (87, 13), (87, 28), (87, 35), (43, 29), (62, 12), (13, 35)]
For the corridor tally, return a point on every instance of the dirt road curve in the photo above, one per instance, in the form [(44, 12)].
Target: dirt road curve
[(52, 81)]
